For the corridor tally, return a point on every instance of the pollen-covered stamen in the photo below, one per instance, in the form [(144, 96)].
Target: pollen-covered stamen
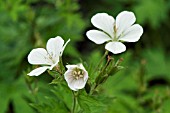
[(78, 73)]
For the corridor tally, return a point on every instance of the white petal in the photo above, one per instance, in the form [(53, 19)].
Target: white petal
[(70, 79), (104, 22), (85, 75), (69, 67), (38, 71), (85, 72), (68, 75), (71, 85), (115, 47), (54, 47), (98, 37), (64, 47), (39, 56), (79, 84), (132, 34), (124, 20)]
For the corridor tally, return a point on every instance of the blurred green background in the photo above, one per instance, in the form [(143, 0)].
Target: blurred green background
[(142, 87)]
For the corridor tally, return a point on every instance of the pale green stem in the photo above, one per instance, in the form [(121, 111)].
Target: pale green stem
[(101, 60)]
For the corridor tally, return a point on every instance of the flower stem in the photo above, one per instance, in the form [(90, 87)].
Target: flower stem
[(33, 90), (101, 60), (61, 64), (74, 102), (96, 69)]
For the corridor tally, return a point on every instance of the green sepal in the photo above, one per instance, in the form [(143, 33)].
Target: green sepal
[(56, 81), (54, 73), (115, 69), (88, 87)]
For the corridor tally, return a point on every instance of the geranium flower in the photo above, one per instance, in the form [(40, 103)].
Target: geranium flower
[(48, 58), (76, 76), (115, 31)]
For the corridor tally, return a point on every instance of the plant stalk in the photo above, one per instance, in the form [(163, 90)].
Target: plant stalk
[(101, 60), (74, 102)]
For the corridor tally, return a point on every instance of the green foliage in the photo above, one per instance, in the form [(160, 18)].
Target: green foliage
[(152, 12), (51, 106), (24, 25), (141, 87), (134, 91), (56, 102), (91, 104), (157, 63), (14, 92)]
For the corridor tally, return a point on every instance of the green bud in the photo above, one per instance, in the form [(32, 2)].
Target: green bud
[(56, 81), (87, 87), (115, 69), (53, 73)]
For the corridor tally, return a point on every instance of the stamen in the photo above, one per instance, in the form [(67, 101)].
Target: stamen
[(78, 72), (77, 77), (81, 76), (75, 72)]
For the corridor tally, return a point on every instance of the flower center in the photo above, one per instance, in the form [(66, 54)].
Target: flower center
[(77, 73), (116, 35)]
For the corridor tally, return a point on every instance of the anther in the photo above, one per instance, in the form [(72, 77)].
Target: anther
[(77, 77), (78, 72), (81, 76), (75, 72)]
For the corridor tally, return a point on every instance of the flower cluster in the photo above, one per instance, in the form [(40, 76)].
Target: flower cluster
[(76, 75), (113, 31)]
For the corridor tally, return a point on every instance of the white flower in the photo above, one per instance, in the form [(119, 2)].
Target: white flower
[(76, 76), (114, 31), (48, 58)]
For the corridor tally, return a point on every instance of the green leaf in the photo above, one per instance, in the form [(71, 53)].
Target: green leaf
[(157, 64), (91, 105), (51, 106), (63, 94), (55, 81), (165, 106), (14, 92)]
